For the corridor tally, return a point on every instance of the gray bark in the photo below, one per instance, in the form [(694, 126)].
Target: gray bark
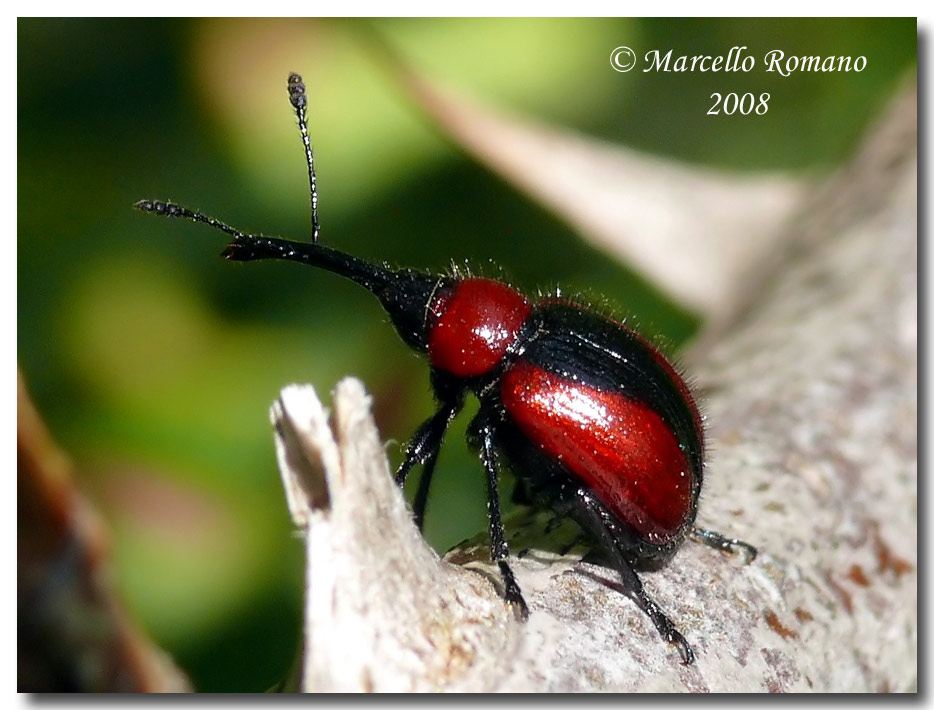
[(809, 384)]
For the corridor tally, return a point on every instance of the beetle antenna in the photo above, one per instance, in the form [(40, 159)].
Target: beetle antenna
[(299, 101), (170, 209), (252, 247)]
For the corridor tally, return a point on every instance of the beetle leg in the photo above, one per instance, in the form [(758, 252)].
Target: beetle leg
[(483, 430), (717, 541), (423, 449), (602, 525)]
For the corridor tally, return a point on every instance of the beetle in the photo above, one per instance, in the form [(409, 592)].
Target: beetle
[(591, 418)]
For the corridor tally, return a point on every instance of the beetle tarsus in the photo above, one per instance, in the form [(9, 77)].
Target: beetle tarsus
[(684, 648), (512, 593), (730, 546)]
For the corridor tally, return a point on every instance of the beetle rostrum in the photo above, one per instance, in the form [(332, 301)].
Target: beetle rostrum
[(591, 418)]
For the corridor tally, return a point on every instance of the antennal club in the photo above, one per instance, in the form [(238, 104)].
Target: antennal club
[(299, 101)]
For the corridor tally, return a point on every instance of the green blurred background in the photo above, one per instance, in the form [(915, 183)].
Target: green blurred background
[(154, 362)]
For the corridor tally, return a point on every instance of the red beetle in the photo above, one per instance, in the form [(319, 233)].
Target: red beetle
[(591, 418)]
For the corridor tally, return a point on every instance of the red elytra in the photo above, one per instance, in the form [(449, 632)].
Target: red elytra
[(618, 446), (595, 421)]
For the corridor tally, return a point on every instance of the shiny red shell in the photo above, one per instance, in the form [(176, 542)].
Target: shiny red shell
[(619, 447), (474, 324)]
